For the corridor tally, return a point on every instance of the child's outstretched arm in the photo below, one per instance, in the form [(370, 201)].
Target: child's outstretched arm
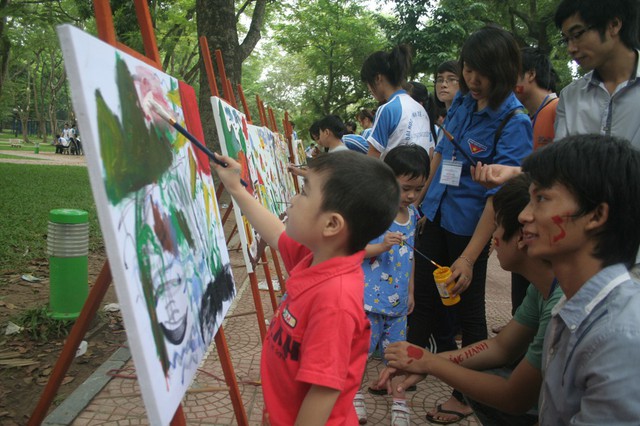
[(317, 406), (264, 222)]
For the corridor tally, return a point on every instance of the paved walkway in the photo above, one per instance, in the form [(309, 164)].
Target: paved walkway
[(27, 156), (119, 401)]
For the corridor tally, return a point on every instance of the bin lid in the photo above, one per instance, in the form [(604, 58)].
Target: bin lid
[(68, 216)]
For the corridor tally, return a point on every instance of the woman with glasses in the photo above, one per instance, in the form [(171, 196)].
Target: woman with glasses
[(485, 126), (446, 87)]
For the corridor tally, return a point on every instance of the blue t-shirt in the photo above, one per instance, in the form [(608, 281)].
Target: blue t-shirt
[(366, 133), (386, 276), (356, 143), (401, 120), (461, 206)]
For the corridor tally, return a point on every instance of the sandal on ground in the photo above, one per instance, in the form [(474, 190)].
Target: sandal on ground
[(459, 416)]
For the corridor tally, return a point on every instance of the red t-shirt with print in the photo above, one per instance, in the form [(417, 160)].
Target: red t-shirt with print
[(319, 335)]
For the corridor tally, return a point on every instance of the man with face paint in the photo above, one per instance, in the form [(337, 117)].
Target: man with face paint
[(536, 89), (585, 225)]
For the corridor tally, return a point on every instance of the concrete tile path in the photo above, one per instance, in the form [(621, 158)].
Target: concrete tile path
[(119, 401)]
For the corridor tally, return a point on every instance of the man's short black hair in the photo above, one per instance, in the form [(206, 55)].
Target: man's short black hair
[(409, 160), (534, 59), (334, 124), (596, 169), (362, 189), (598, 14), (508, 202), (494, 53)]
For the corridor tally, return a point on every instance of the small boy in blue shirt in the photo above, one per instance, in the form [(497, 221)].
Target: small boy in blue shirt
[(388, 268)]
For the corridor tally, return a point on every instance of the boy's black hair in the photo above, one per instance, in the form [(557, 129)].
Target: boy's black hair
[(494, 53), (597, 169), (509, 201), (409, 160), (598, 14), (334, 124), (360, 188), (534, 59), (314, 130), (394, 65)]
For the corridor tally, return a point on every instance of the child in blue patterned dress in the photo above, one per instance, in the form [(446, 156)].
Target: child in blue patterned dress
[(388, 268)]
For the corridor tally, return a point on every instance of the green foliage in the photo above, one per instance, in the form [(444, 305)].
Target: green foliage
[(42, 328), (437, 29), (313, 66), (28, 193)]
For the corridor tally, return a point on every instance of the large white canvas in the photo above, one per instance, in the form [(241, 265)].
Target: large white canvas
[(158, 213)]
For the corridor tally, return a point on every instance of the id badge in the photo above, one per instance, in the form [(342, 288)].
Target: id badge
[(451, 172)]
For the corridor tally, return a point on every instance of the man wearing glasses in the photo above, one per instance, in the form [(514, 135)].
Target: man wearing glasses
[(602, 37)]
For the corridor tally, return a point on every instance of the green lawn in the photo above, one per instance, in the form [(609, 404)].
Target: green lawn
[(17, 157), (27, 194)]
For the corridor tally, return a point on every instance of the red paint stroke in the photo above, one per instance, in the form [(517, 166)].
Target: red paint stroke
[(415, 353), (558, 220)]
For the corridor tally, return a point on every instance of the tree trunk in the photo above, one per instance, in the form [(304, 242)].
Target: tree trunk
[(216, 20)]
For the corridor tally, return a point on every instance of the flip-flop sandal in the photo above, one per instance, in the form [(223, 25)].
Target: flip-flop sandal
[(460, 416)]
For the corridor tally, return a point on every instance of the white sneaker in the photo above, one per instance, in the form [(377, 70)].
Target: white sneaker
[(400, 414), (361, 408)]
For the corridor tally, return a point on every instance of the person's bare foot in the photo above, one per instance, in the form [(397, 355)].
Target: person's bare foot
[(450, 411)]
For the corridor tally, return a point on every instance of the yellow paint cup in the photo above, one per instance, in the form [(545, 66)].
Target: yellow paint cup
[(440, 276)]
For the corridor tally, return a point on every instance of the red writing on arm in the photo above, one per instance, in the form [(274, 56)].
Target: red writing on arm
[(558, 220), (474, 350), (457, 359)]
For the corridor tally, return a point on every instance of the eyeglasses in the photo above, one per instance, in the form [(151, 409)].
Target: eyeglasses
[(449, 80), (575, 37)]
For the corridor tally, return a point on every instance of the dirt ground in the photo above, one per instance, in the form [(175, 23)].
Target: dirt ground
[(25, 365)]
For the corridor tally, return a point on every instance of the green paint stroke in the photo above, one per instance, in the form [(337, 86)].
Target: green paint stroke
[(133, 155)]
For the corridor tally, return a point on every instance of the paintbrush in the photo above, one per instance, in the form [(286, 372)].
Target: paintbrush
[(158, 109), (421, 254), (458, 147)]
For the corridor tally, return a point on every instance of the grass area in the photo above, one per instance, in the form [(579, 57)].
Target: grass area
[(17, 157), (28, 192)]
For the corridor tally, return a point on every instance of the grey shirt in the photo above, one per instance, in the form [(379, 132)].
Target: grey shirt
[(586, 107), (590, 359)]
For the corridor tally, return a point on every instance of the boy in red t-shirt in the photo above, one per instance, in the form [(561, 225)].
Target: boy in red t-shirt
[(314, 355)]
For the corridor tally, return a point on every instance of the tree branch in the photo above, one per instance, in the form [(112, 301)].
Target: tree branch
[(253, 36)]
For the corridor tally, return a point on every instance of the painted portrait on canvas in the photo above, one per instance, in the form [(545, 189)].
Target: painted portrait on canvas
[(158, 213)]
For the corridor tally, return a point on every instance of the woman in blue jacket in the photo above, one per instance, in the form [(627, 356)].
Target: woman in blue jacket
[(488, 124)]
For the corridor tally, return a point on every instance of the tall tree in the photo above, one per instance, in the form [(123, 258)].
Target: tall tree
[(326, 41), (218, 21)]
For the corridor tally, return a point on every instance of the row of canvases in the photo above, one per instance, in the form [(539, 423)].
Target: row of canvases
[(158, 211)]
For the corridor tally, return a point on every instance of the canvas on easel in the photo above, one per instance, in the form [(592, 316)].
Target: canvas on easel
[(158, 213), (233, 135)]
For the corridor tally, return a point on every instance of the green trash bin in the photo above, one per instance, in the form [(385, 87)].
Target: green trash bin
[(68, 249)]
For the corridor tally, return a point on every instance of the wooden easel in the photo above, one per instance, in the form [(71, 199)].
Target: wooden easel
[(106, 33), (229, 96)]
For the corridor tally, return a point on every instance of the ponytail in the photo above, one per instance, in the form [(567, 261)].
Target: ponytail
[(394, 65)]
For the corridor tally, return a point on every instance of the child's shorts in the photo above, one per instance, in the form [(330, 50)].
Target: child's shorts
[(385, 330)]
